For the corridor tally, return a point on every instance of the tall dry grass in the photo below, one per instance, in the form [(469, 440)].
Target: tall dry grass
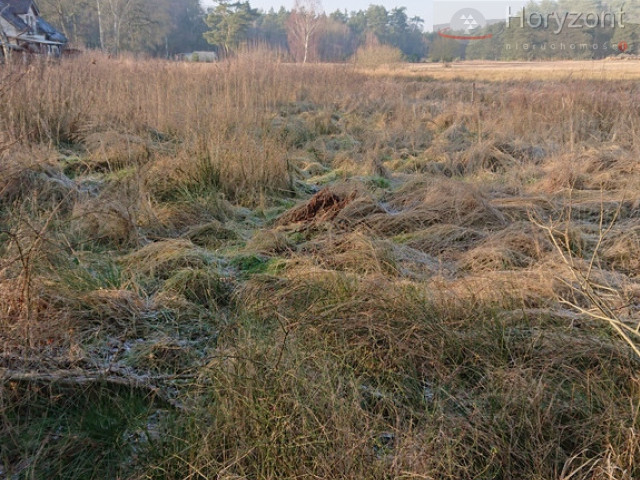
[(221, 115), (174, 305)]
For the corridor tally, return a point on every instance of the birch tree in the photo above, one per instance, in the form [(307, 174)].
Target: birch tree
[(303, 26)]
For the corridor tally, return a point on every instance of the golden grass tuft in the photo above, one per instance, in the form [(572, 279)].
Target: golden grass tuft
[(110, 150), (623, 251), (428, 202), (444, 239), (487, 258), (212, 234), (202, 286), (354, 252), (270, 242), (375, 56), (524, 238), (33, 174), (485, 156), (117, 215), (358, 211), (115, 310), (159, 260)]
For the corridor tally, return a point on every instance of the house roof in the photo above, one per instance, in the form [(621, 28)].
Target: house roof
[(10, 11), (21, 7), (9, 14), (49, 31)]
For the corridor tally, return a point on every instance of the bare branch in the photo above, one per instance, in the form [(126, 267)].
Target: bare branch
[(599, 296)]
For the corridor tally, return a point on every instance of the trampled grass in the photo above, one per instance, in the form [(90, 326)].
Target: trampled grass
[(258, 270)]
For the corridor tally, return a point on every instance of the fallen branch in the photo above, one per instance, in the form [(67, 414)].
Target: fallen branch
[(81, 378)]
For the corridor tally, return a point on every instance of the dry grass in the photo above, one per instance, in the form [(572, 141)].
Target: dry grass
[(255, 270), (426, 202), (604, 70)]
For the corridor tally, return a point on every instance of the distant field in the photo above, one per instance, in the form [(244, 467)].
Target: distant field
[(264, 271), (502, 71)]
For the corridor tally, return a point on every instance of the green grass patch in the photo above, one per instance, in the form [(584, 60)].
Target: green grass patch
[(254, 264), (69, 433)]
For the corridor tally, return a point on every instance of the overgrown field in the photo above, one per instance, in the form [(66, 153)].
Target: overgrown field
[(253, 270)]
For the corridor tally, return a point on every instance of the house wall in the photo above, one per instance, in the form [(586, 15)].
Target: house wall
[(30, 17), (27, 38), (9, 30)]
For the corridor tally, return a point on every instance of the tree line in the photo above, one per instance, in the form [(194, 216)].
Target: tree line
[(307, 34), (169, 27), (155, 27)]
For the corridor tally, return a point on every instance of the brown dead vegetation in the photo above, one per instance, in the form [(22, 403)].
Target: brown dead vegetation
[(378, 279), (323, 206), (427, 202)]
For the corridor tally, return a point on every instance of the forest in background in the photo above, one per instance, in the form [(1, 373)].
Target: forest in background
[(165, 28)]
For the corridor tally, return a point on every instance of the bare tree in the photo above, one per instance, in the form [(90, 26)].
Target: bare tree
[(118, 10), (3, 39), (57, 7), (126, 17), (303, 27), (100, 28), (133, 22)]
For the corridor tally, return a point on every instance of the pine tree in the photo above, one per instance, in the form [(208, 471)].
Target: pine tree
[(229, 24)]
